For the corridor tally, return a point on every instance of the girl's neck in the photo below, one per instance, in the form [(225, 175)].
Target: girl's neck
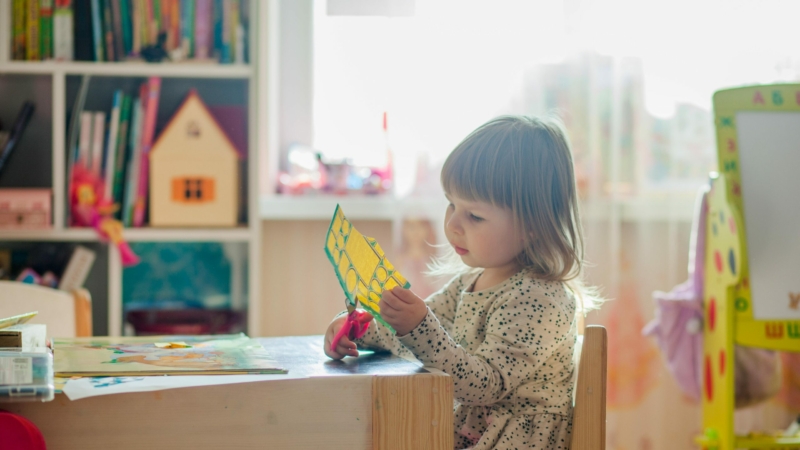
[(493, 276)]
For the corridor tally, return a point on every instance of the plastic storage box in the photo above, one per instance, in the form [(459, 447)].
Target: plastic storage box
[(26, 375)]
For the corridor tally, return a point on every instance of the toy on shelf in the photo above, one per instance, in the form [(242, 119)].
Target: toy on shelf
[(89, 209), (25, 208), (194, 171), (309, 172)]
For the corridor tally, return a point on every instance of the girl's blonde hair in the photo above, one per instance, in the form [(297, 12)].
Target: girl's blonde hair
[(525, 164)]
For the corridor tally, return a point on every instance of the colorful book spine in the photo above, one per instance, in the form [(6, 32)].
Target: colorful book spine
[(85, 140), (127, 27), (46, 29), (98, 132), (32, 31), (202, 33), (187, 27), (148, 132), (121, 149), (217, 15), (110, 158), (234, 30), (149, 28), (19, 26), (135, 144), (97, 31), (63, 45), (175, 24), (116, 29), (163, 25), (226, 46), (136, 27), (244, 27), (156, 24), (108, 31)]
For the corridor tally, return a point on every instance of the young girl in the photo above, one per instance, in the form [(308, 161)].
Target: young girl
[(504, 329)]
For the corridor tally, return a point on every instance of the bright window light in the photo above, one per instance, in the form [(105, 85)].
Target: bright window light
[(457, 63)]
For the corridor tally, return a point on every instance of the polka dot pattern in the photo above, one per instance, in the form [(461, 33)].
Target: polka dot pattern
[(509, 350)]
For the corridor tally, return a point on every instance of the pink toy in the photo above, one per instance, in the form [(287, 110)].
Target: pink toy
[(90, 210)]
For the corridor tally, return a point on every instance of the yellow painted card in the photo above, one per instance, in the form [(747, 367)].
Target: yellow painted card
[(360, 265)]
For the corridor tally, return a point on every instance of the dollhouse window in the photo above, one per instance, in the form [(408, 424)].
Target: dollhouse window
[(193, 130), (193, 190)]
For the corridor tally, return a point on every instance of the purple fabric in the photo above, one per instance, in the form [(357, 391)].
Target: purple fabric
[(677, 326), (678, 329)]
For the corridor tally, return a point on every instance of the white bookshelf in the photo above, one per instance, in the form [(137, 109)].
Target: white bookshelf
[(132, 69), (253, 74)]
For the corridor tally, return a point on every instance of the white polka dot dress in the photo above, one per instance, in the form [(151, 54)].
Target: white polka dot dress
[(509, 350)]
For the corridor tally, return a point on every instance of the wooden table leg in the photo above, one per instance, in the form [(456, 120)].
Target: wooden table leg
[(412, 412)]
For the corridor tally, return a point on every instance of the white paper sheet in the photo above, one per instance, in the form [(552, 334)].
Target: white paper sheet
[(91, 387)]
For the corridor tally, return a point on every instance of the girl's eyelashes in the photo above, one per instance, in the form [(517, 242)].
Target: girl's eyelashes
[(472, 217)]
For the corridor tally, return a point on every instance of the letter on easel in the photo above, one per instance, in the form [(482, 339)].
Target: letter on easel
[(794, 300), (793, 329), (774, 330)]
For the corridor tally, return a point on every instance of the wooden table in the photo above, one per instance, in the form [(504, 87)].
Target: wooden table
[(375, 401)]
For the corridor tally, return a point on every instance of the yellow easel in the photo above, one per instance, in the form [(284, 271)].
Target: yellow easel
[(727, 302)]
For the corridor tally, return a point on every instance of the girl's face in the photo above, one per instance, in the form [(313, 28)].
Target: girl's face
[(483, 235)]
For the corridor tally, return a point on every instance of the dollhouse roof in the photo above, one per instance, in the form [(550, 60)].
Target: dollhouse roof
[(193, 104)]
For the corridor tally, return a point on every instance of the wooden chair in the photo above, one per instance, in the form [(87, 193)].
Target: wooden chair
[(65, 314), (589, 416)]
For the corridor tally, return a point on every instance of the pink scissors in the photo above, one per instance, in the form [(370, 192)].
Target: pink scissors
[(356, 325)]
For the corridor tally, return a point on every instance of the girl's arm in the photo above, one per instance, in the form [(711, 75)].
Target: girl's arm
[(442, 304), (521, 334)]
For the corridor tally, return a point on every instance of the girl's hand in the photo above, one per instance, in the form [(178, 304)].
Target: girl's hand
[(345, 346), (402, 309)]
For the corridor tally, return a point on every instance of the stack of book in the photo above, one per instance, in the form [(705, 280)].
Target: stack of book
[(119, 30), (114, 145)]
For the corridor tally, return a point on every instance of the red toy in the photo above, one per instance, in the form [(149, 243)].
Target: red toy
[(91, 209)]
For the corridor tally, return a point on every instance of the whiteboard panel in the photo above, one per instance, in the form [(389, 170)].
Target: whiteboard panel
[(769, 158)]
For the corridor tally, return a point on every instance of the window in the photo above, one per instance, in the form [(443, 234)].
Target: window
[(193, 190), (632, 81)]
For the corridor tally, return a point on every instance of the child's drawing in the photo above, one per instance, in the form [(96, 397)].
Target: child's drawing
[(141, 356), (112, 381)]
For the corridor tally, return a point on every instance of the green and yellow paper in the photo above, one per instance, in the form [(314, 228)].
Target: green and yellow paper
[(16, 320), (360, 265)]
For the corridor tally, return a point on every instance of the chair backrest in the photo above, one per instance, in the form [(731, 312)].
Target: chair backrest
[(589, 416), (66, 314)]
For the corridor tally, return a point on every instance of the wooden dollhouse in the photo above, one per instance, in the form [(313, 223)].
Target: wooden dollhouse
[(194, 171)]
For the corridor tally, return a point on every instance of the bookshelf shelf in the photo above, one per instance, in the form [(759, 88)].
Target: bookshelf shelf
[(239, 234), (239, 90), (130, 69)]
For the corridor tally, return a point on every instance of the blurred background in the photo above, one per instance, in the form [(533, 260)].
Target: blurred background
[(633, 83)]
